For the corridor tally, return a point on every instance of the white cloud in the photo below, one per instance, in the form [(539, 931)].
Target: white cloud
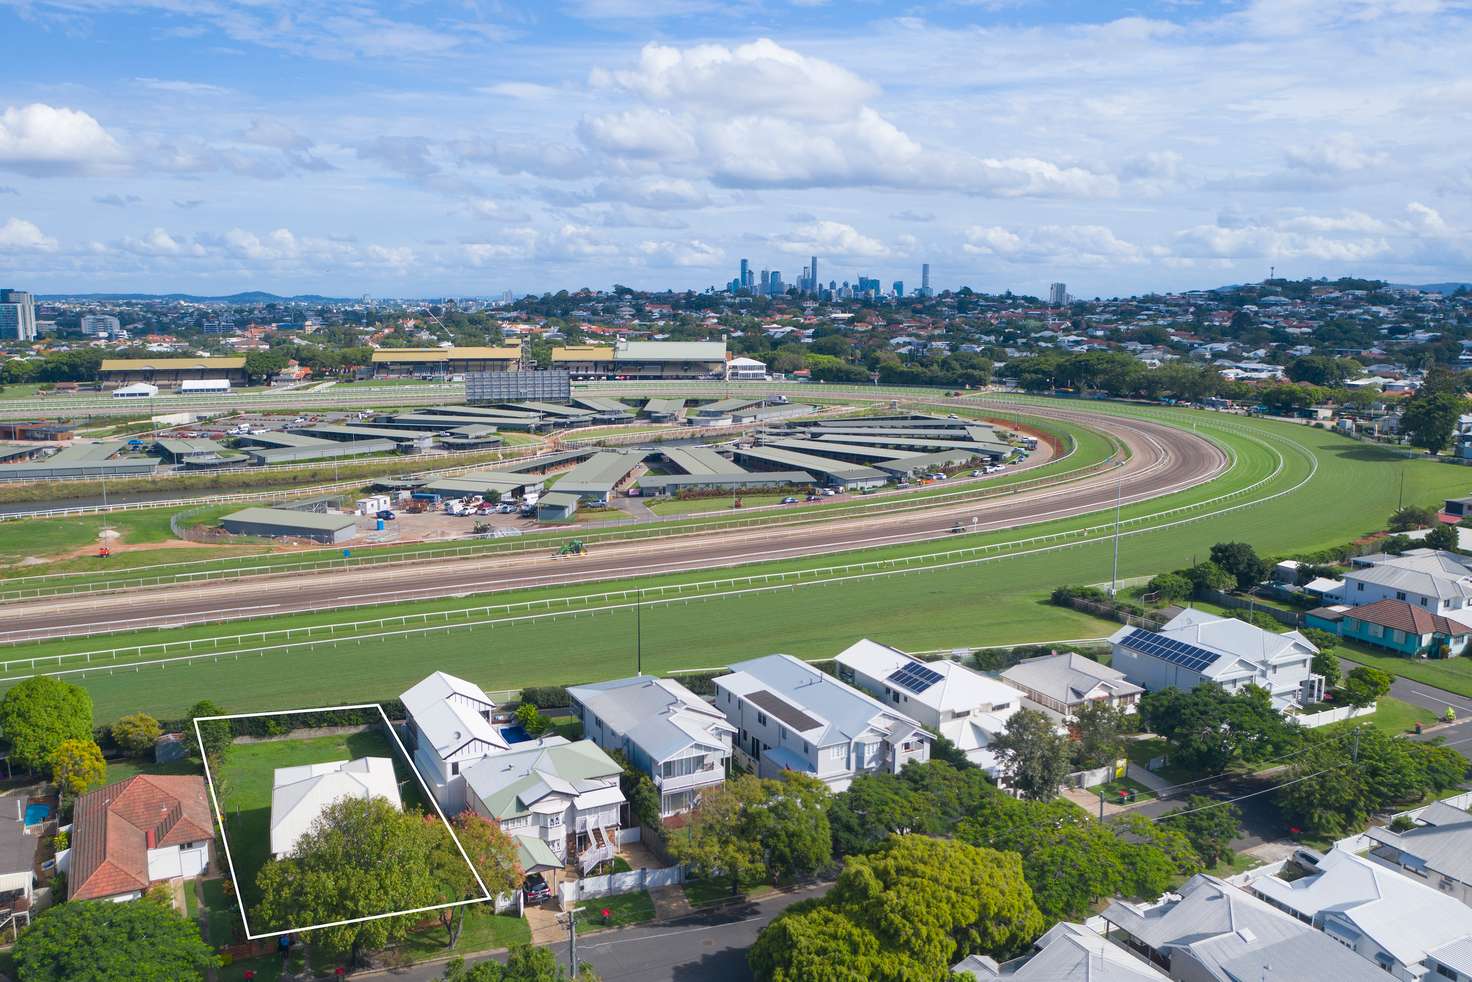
[(1063, 245), (829, 238), (19, 235), (1336, 155), (44, 140), (690, 253)]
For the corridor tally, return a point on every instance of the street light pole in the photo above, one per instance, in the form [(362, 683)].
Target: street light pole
[(639, 631), (1114, 574)]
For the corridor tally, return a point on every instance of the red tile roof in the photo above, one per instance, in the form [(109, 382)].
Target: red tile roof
[(1402, 616), (114, 827)]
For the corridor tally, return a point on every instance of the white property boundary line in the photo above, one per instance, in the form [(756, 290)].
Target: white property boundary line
[(230, 861)]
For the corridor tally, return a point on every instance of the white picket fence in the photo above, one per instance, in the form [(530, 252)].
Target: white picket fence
[(615, 883)]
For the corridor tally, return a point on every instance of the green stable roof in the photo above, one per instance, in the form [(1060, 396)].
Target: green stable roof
[(287, 518)]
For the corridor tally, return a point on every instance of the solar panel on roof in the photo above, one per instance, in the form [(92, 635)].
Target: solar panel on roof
[(1188, 656), (915, 676)]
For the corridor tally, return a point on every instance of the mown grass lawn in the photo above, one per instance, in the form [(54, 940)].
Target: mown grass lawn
[(222, 914), (484, 930), (126, 767), (623, 910), (244, 787)]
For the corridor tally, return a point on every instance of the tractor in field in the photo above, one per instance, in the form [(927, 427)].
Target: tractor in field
[(573, 548)]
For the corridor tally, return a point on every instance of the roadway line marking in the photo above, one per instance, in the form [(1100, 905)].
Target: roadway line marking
[(1441, 698)]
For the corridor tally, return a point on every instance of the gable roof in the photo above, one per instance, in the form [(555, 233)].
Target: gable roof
[(1066, 953), (1400, 615), (1242, 648), (1443, 847), (1427, 572), (660, 716), (115, 826), (447, 711), (514, 781), (1069, 677), (813, 703), (1404, 917), (960, 689), (300, 794)]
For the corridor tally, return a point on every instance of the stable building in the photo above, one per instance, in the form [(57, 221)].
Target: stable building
[(596, 479), (286, 523), (557, 506), (833, 472)]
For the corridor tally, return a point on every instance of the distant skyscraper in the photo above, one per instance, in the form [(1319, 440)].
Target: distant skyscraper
[(774, 285), (899, 288), (745, 275), (925, 279), (766, 283), (813, 273), (1058, 295), (17, 315)]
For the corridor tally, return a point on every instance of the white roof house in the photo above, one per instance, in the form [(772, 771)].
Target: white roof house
[(965, 707), (1388, 918), (1439, 581), (1195, 647), (449, 726), (659, 718), (1066, 953), (1064, 682), (300, 794)]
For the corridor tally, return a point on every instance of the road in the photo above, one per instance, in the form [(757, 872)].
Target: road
[(1163, 459), (1458, 736), (708, 947)]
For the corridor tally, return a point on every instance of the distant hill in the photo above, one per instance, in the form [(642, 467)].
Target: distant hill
[(1446, 288), (253, 296)]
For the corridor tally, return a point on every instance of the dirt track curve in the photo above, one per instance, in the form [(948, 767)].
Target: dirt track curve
[(1163, 460)]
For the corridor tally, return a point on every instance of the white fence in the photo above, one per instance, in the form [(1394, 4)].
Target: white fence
[(1312, 720), (615, 883)]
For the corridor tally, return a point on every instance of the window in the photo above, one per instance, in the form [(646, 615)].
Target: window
[(1400, 594), (1360, 587), (761, 719), (1423, 601), (836, 752), (1446, 973), (455, 767), (682, 767)]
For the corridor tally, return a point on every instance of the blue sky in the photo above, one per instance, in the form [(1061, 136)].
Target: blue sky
[(463, 147)]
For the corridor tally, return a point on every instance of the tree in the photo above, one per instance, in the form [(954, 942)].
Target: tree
[(136, 733), (792, 826), (1033, 756), (1208, 728), (38, 714), (524, 963), (1171, 587), (878, 805), (1443, 537), (491, 852), (77, 766), (261, 365), (101, 942), (530, 718), (1210, 826), (1240, 560), (359, 859), (713, 840), (1429, 418), (1342, 778), (1444, 767), (1326, 663), (1099, 728), (214, 735), (907, 911), (1209, 576), (1364, 685), (1411, 517)]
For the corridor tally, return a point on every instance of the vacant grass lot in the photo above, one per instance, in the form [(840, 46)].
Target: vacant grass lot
[(244, 789)]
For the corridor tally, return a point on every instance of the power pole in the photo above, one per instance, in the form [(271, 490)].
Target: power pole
[(1114, 574), (572, 940), (1354, 754), (639, 631)]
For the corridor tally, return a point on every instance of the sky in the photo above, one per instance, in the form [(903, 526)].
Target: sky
[(466, 147)]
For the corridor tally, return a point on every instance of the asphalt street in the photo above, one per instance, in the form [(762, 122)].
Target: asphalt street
[(707, 947)]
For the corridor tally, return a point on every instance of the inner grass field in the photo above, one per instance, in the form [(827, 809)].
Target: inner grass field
[(1353, 490)]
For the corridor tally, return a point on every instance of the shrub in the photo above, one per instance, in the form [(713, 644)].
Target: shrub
[(546, 696), (136, 733)]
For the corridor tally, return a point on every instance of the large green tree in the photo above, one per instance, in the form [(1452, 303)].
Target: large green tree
[(907, 911), (1209, 728), (1209, 824), (1343, 778), (103, 942), (362, 858), (214, 734), (714, 842), (1429, 419), (750, 827), (1242, 561), (1033, 755), (136, 733), (1099, 728), (491, 852), (39, 714), (1364, 685)]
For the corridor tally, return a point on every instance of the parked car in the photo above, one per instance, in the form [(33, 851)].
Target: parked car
[(977, 473), (815, 496), (535, 891), (386, 514), (789, 500)]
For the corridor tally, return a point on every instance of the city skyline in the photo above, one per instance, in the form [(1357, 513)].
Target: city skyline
[(409, 151)]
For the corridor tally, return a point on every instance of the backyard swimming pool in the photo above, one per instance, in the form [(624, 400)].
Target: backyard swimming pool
[(37, 812)]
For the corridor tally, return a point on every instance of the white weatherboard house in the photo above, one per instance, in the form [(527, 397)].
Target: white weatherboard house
[(1195, 647), (790, 716), (449, 727), (1067, 952), (965, 707), (1440, 582), (1064, 683), (1387, 918), (1438, 851), (681, 741), (300, 794), (554, 797), (560, 801)]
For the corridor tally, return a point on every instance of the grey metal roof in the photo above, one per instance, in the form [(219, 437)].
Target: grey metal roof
[(842, 711), (1067, 953), (919, 442), (698, 460), (1309, 956), (660, 716), (724, 407), (815, 464), (288, 518), (1457, 955), (321, 450), (600, 473), (670, 351), (17, 850), (601, 405), (1242, 648), (358, 432), (547, 460), (1068, 677), (558, 499), (670, 407), (1444, 848), (734, 479)]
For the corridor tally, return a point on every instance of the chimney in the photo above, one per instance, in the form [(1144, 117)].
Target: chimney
[(149, 838)]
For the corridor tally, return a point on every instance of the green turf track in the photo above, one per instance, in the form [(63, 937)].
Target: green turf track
[(1352, 490)]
